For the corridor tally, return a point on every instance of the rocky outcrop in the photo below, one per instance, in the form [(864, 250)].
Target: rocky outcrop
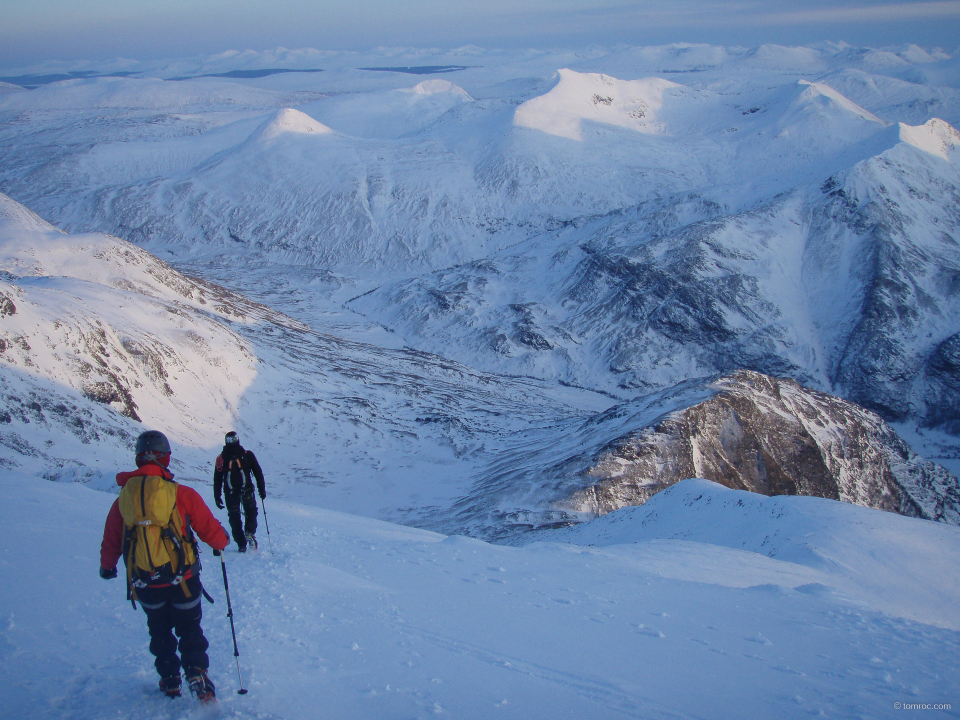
[(774, 437), (943, 386)]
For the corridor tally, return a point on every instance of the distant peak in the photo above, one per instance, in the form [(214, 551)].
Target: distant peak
[(580, 97), (814, 89), (438, 87), (289, 120), (935, 137)]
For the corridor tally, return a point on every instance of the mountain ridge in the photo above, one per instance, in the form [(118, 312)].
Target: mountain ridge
[(772, 223), (772, 437)]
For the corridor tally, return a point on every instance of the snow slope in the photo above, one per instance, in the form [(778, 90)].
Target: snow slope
[(110, 322), (855, 549), (99, 339), (705, 603)]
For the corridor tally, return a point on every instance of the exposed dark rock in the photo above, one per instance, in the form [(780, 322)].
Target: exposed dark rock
[(527, 335), (774, 437), (112, 391), (152, 361), (943, 386), (102, 392), (6, 306)]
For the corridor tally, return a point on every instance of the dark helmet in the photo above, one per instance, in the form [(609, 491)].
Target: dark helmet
[(153, 446), (231, 438), (153, 440)]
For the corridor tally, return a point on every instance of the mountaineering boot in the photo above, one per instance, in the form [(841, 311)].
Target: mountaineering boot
[(170, 686), (251, 541), (200, 685)]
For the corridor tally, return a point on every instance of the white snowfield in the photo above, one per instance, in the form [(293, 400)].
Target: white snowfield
[(706, 603)]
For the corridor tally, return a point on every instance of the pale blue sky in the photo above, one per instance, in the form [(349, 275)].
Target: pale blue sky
[(36, 30)]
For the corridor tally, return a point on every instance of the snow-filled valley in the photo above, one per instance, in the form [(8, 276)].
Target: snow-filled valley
[(468, 313)]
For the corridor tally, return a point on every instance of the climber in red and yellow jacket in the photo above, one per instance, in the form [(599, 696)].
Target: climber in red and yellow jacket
[(152, 525)]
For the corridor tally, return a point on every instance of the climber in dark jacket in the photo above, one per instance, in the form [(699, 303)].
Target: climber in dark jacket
[(232, 478)]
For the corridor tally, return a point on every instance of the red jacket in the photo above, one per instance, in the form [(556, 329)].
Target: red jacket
[(190, 505)]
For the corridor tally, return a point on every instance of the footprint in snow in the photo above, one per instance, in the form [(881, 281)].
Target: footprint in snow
[(649, 632)]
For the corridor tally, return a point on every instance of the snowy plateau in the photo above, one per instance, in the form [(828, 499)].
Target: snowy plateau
[(613, 383)]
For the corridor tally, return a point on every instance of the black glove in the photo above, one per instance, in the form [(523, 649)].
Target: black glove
[(108, 574), (220, 503), (263, 494), (216, 553)]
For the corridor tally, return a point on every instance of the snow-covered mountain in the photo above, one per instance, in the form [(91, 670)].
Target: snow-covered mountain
[(745, 430), (99, 339), (618, 234), (619, 226), (844, 285), (772, 437), (102, 317)]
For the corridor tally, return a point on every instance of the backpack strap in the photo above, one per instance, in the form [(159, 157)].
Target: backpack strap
[(182, 568), (191, 539), (129, 543), (171, 533)]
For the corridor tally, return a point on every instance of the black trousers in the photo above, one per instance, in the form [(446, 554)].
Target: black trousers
[(239, 527), (170, 611)]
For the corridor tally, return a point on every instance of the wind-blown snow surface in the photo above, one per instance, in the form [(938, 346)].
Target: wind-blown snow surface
[(704, 603)]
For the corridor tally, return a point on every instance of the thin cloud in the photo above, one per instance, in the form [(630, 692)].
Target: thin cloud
[(864, 14), (760, 13), (749, 17)]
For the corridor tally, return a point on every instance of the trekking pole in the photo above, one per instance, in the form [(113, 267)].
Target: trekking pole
[(263, 504), (236, 652)]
